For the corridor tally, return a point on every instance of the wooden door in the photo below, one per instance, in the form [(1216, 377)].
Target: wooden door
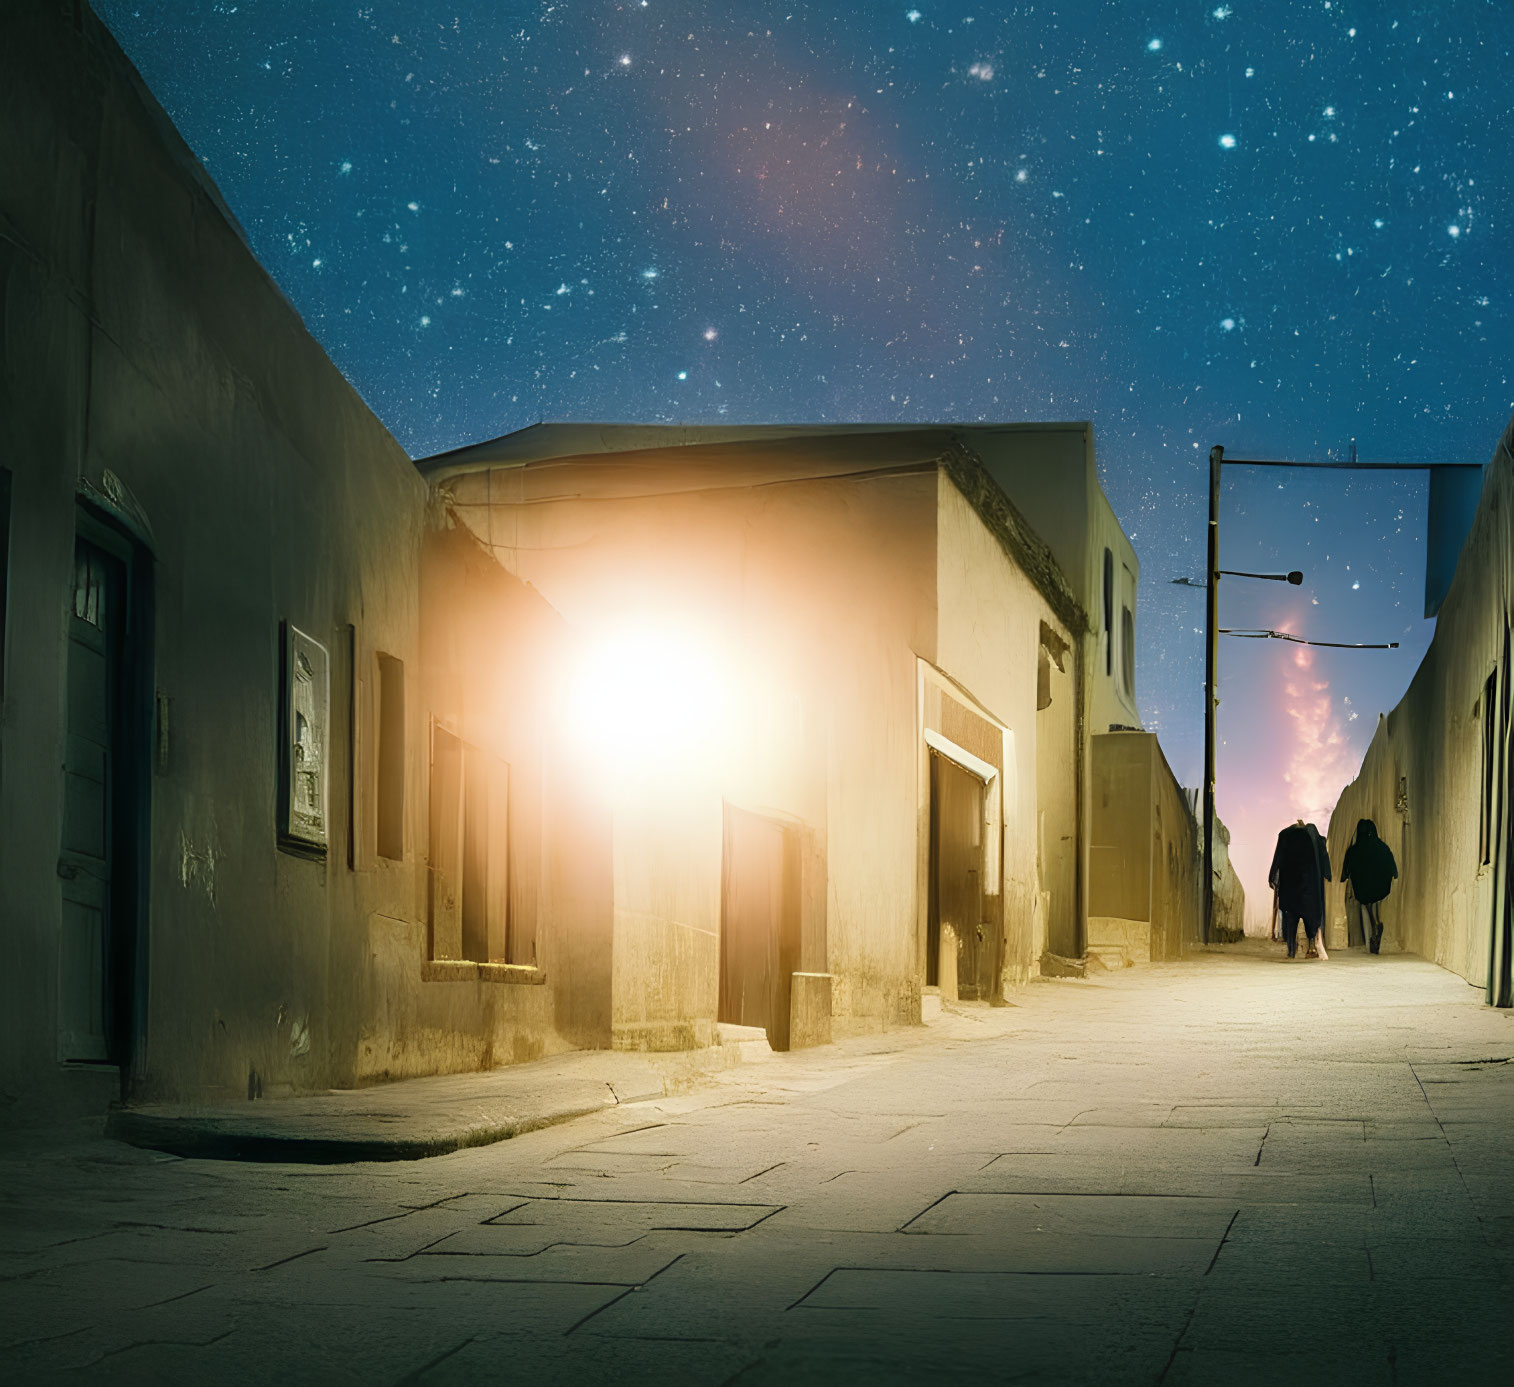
[(87, 860), (956, 864), (759, 924)]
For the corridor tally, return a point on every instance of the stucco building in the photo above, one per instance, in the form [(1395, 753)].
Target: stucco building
[(1436, 778), (893, 687)]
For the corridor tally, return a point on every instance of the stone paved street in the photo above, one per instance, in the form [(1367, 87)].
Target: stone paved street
[(1228, 1170)]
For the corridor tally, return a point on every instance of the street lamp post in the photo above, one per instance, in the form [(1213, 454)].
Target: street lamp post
[(1212, 631), (1211, 674), (1211, 666)]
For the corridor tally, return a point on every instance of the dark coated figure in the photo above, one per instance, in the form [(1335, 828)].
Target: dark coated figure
[(1369, 866), (1300, 869)]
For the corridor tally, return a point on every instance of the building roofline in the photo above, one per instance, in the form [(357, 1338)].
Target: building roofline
[(567, 444)]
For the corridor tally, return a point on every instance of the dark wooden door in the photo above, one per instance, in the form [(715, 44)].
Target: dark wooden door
[(88, 984), (758, 924), (956, 863)]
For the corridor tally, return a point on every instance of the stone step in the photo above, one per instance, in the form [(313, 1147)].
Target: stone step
[(751, 1041)]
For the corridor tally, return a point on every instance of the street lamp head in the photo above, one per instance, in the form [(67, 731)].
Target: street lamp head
[(1295, 577)]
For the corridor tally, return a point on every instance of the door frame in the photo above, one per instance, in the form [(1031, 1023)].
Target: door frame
[(987, 776), (103, 525)]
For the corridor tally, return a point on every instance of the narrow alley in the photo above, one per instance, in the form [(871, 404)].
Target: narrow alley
[(1230, 1169)]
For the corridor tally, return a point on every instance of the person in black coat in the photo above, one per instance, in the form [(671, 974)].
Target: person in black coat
[(1369, 866), (1300, 869)]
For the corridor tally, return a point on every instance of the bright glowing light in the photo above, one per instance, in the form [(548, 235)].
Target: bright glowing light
[(1155, 46), (1228, 324), (648, 695), (649, 273), (1453, 231), (625, 60), (913, 16), (1227, 141), (710, 334), (683, 375), (984, 72)]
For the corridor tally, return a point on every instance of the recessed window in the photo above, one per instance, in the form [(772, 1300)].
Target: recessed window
[(470, 854), (1486, 807), (1108, 612), (390, 787), (1127, 652)]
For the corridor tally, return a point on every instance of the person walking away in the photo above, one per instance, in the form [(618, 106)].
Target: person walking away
[(1370, 868), (1322, 866), (1298, 874)]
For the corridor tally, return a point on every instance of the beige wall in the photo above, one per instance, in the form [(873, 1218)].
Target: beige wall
[(151, 368), (817, 598), (1049, 472), (148, 357), (989, 642), (811, 598), (1421, 779), (1145, 886)]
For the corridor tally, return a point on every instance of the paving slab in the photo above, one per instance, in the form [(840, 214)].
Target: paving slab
[(1217, 1170)]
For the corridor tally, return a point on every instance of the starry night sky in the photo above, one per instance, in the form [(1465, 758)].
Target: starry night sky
[(1272, 225)]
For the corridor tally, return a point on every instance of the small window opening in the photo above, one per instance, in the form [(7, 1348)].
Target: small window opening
[(470, 854), (390, 788), (1127, 652), (1489, 756), (1108, 612)]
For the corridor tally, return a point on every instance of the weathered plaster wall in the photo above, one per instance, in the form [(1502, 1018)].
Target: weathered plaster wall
[(1049, 472), (816, 597), (1421, 779), (989, 624), (813, 598), (1146, 899), (491, 654), (146, 355)]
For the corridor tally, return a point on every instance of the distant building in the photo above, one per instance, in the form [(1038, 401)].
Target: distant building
[(1436, 779)]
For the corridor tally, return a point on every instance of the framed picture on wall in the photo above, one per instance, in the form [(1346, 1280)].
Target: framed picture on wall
[(304, 750)]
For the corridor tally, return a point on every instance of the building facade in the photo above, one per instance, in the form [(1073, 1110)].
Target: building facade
[(928, 654), (1436, 777), (213, 838)]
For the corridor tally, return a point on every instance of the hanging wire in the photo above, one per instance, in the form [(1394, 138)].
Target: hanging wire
[(1299, 640)]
